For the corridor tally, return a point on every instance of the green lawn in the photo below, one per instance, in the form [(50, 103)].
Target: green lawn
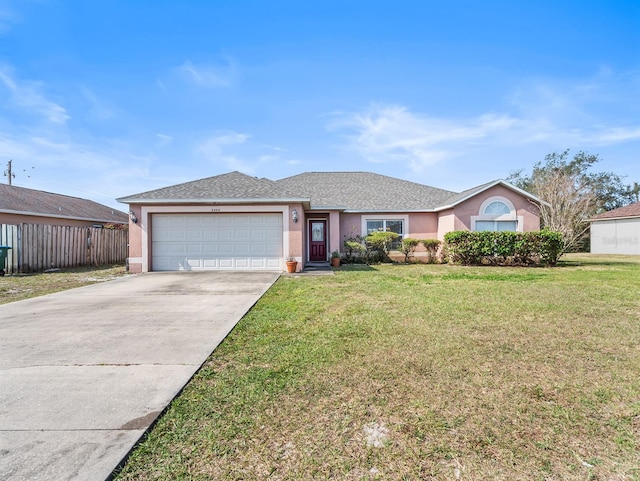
[(23, 286), (419, 372)]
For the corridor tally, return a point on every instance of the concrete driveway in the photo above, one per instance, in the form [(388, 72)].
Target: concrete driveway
[(83, 373)]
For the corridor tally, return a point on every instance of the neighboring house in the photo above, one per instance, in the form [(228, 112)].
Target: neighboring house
[(234, 221), (616, 231), (27, 206)]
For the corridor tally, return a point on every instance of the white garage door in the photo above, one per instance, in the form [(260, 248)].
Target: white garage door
[(216, 241)]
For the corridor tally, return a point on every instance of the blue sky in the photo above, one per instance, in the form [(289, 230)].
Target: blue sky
[(105, 99)]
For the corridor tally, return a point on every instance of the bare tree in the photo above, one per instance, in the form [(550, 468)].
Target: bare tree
[(572, 192), (571, 201)]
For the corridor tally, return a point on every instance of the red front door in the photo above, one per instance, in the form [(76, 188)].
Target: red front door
[(318, 240)]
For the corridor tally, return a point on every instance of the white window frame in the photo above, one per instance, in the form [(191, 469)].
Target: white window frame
[(512, 216), (382, 217)]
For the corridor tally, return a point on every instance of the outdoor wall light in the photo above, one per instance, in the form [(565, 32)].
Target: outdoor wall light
[(133, 217), (294, 216)]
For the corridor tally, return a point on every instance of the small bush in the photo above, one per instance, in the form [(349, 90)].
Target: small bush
[(355, 249), (379, 244), (503, 247), (408, 247), (432, 246)]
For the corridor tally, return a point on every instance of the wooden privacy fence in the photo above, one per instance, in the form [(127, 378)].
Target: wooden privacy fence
[(37, 248)]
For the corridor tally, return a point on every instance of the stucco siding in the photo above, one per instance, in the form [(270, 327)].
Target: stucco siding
[(423, 225), (446, 223), (526, 211), (350, 225)]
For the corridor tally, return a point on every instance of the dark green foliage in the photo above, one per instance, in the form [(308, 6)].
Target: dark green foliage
[(610, 192), (382, 240), (379, 244), (572, 193), (504, 248)]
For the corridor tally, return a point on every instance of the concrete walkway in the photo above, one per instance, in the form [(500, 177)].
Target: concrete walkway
[(83, 373)]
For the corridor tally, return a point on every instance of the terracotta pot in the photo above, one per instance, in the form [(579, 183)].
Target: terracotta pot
[(335, 261), (292, 266)]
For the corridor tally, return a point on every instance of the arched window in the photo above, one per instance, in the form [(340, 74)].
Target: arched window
[(496, 214), (496, 208)]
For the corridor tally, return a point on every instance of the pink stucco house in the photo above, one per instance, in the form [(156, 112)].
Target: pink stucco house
[(235, 221)]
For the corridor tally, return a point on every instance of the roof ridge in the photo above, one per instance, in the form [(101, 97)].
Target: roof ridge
[(2, 186)]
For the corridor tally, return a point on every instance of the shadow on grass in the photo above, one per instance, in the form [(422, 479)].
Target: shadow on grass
[(586, 259), (357, 267)]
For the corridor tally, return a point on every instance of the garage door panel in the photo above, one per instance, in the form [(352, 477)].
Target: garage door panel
[(217, 241), (193, 234), (194, 263), (194, 249), (211, 263), (225, 263), (242, 249), (168, 249)]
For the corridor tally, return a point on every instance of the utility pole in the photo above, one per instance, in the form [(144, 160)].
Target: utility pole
[(8, 173)]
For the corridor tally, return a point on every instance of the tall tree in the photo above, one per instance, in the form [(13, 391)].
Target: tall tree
[(573, 194)]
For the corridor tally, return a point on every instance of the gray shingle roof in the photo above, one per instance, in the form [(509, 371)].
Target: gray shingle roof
[(29, 201), (350, 191), (454, 199), (231, 186), (632, 210), (364, 191)]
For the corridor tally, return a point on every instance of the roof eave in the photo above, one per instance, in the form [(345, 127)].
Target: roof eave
[(65, 217), (386, 211), (637, 216), (489, 186), (341, 208), (130, 200)]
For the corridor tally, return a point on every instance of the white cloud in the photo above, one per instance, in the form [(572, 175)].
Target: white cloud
[(232, 162), (164, 139), (600, 110), (617, 134), (100, 173), (392, 133), (211, 148), (209, 76), (545, 114), (28, 97), (238, 151)]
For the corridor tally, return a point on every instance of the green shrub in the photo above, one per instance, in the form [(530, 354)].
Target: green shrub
[(379, 244), (432, 246), (408, 247), (503, 247), (551, 247), (355, 249)]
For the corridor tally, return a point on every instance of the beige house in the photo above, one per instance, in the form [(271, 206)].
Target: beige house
[(238, 222)]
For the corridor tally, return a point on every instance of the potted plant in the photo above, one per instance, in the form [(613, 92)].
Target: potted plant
[(292, 265), (335, 259)]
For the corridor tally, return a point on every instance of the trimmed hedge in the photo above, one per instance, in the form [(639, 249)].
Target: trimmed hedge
[(503, 247)]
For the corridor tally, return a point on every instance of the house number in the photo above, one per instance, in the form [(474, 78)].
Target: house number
[(215, 210)]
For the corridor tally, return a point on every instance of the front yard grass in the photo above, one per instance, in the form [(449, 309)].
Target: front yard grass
[(16, 287), (418, 372)]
